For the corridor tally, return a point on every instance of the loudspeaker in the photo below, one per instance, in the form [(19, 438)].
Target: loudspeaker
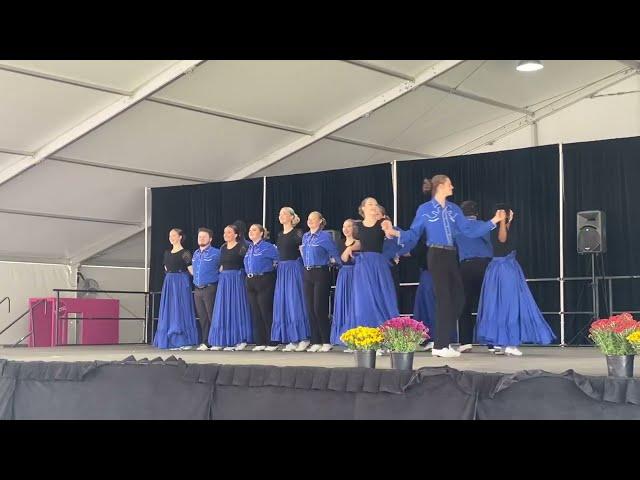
[(591, 232)]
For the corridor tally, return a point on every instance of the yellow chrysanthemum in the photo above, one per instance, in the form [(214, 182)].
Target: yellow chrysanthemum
[(634, 337), (362, 338)]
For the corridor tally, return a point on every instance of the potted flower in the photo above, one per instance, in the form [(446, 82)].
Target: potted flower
[(364, 341), (402, 336), (611, 336), (634, 339)]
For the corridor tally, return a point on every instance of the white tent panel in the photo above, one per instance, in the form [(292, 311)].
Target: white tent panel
[(50, 238), (422, 120), (499, 79), (127, 253), (125, 75), (7, 159), (80, 190), (408, 67), (329, 155), (304, 93), (522, 138), (157, 137), (34, 111), (598, 118)]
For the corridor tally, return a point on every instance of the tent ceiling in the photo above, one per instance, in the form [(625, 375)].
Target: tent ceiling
[(222, 117)]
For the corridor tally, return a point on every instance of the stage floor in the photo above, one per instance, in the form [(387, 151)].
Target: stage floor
[(584, 360)]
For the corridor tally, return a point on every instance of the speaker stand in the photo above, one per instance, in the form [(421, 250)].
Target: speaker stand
[(594, 288)]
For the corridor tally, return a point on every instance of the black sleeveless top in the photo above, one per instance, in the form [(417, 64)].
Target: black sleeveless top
[(371, 238), (503, 249), (289, 244), (177, 262), (233, 258), (342, 245)]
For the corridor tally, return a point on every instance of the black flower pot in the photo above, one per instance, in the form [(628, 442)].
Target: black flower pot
[(402, 360), (620, 365), (365, 358)]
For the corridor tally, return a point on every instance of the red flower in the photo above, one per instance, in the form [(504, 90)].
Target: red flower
[(615, 324)]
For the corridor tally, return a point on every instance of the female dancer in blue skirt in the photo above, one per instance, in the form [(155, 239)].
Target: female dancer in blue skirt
[(290, 320), (508, 315), (231, 323), (177, 319), (343, 318), (374, 295), (424, 305)]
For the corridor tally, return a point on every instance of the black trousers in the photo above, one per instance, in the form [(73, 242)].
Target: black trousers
[(317, 284), (472, 273), (447, 284), (205, 299), (260, 291)]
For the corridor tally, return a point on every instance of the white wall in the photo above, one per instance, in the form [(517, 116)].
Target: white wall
[(21, 281), (128, 279)]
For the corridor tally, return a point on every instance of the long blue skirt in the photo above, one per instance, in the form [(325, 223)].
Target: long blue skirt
[(231, 321), (290, 320), (424, 306), (343, 318), (374, 293), (176, 318), (507, 314)]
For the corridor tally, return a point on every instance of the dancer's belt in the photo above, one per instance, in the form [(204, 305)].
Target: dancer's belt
[(251, 275), (475, 258), (204, 286), (443, 247), (315, 267)]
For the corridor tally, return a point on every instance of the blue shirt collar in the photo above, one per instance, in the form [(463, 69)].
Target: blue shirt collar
[(435, 203)]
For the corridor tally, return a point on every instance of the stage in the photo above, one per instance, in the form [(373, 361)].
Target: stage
[(584, 360), (142, 382)]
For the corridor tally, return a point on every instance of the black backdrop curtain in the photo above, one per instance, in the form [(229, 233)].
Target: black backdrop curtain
[(527, 179), (603, 175), (597, 176), (189, 207), (336, 194)]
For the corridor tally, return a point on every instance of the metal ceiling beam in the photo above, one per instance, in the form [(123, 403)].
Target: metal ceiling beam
[(68, 217), (442, 88), (345, 119), (477, 98), (66, 80), (543, 112), (380, 69), (377, 146), (631, 63), (76, 161), (206, 111), (99, 118), (103, 244)]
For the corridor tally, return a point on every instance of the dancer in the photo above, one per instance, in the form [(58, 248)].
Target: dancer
[(508, 314), (259, 264), (318, 251), (440, 220), (176, 319), (231, 327), (206, 266), (474, 255), (343, 318), (374, 293), (290, 323)]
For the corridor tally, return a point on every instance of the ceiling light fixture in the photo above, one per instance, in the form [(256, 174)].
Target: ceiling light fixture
[(529, 65)]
